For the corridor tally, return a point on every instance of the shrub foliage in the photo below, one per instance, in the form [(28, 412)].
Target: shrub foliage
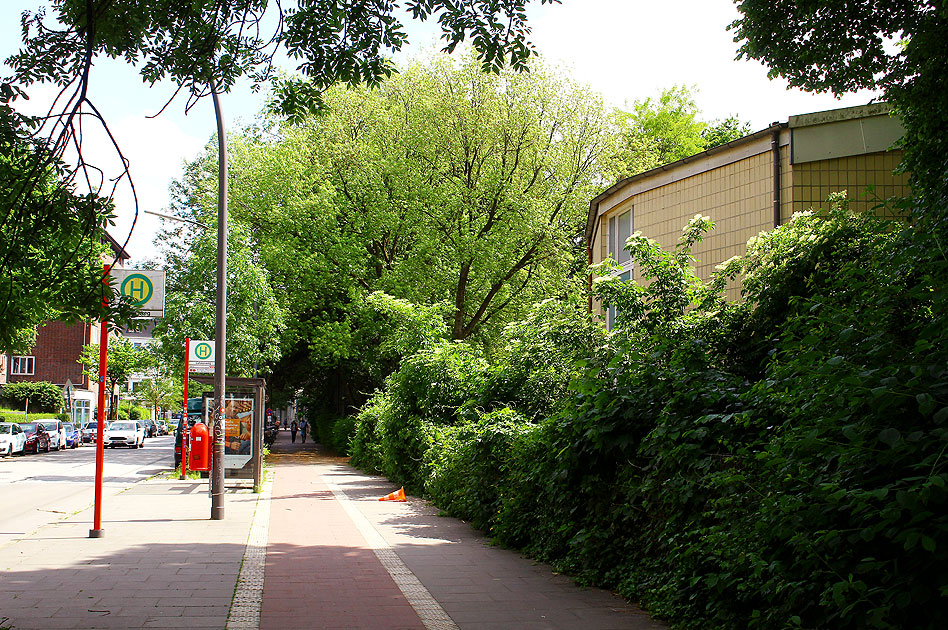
[(43, 395), (770, 463)]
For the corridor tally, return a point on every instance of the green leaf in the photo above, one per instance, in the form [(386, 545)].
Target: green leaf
[(926, 404), (889, 436)]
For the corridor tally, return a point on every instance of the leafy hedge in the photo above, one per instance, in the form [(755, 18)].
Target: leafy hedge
[(778, 462), (43, 395)]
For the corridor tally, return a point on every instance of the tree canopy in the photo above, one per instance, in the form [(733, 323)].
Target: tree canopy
[(194, 45)]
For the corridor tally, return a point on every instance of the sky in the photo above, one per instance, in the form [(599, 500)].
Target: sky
[(627, 50)]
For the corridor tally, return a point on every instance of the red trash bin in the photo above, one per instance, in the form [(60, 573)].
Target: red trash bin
[(199, 457)]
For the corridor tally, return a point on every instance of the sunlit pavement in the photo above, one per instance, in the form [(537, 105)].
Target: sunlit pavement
[(339, 558), (322, 552)]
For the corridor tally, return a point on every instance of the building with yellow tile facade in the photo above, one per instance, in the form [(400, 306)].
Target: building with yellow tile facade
[(752, 184)]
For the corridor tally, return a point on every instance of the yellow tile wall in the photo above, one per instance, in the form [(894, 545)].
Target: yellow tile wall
[(814, 181), (739, 199)]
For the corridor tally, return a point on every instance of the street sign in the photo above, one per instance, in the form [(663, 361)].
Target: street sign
[(201, 356), (146, 288)]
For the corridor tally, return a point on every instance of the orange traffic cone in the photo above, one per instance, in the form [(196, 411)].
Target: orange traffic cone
[(398, 495)]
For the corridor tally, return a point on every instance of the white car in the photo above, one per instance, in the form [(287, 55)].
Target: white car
[(128, 433), (57, 433), (12, 439)]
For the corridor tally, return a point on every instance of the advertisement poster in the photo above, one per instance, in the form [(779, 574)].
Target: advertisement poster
[(238, 429)]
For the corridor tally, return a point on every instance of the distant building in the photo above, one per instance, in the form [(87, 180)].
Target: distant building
[(750, 185), (55, 357)]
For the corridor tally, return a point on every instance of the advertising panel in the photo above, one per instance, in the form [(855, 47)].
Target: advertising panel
[(238, 431)]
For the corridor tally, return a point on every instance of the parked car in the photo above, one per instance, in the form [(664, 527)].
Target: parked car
[(130, 433), (12, 439), (151, 428), (37, 439), (73, 435), (57, 434), (89, 431)]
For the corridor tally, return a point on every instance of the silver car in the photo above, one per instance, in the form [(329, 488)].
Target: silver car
[(128, 433), (57, 433)]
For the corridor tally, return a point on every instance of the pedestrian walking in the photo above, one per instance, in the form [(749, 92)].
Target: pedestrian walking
[(303, 425), (293, 429)]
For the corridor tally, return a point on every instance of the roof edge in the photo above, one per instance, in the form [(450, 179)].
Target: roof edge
[(622, 183)]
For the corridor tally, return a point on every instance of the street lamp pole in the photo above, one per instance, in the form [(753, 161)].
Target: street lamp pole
[(220, 364)]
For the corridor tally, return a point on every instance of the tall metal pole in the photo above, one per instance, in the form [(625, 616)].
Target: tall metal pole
[(96, 531), (220, 363), (185, 429)]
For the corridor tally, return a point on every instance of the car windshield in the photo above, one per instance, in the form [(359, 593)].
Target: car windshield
[(122, 426), (29, 427), (49, 426), (91, 425), (6, 429), (69, 427)]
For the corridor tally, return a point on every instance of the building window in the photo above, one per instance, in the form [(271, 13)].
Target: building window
[(620, 229), (21, 366), (82, 411), (612, 313)]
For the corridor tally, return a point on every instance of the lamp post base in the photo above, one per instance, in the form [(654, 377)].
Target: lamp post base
[(96, 533)]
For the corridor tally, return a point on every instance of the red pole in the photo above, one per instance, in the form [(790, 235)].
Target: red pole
[(185, 433), (96, 531)]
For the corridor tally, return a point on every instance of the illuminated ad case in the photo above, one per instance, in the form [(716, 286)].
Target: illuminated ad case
[(238, 430), (238, 425)]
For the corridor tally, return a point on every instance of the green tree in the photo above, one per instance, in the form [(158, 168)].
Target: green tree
[(455, 191), (50, 242), (157, 393), (192, 44), (722, 131), (666, 129), (255, 317), (124, 360), (466, 188)]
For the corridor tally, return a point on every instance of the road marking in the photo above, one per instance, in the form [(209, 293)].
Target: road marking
[(429, 610)]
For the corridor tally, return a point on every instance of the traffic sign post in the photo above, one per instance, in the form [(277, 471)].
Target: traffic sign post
[(96, 531)]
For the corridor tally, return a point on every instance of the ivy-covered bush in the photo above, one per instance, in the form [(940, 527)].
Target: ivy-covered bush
[(343, 430), (43, 395), (778, 462), (467, 465)]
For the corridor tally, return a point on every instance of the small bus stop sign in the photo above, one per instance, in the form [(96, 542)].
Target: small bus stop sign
[(201, 355), (145, 287)]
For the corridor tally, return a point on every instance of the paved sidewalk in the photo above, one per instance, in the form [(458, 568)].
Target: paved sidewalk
[(161, 564), (318, 550), (337, 558)]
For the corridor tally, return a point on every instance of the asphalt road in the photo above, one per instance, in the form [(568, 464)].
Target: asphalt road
[(44, 488)]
